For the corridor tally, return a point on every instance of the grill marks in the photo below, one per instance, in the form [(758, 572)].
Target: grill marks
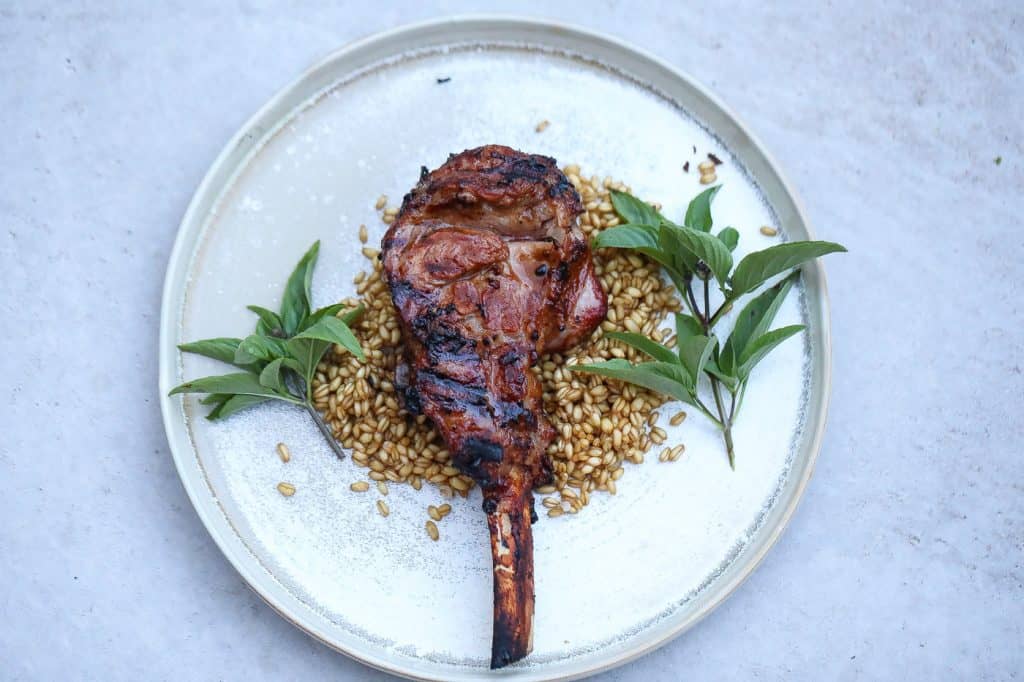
[(487, 269)]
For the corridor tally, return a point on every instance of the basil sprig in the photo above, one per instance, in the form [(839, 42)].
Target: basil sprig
[(279, 359), (695, 258)]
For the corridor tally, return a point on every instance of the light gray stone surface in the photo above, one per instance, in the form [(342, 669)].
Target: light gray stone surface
[(905, 558)]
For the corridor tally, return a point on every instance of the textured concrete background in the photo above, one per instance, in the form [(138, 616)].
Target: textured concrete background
[(905, 558)]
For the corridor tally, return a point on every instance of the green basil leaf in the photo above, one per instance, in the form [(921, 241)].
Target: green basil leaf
[(686, 326), (694, 354), (307, 354), (235, 404), (645, 345), (663, 377), (706, 247), (727, 358), (332, 310), (730, 237), (270, 322), (628, 236), (334, 330), (698, 213), (633, 210), (214, 398), (271, 376), (759, 348), (295, 304), (255, 348), (642, 238), (755, 318), (242, 383), (756, 268), (680, 257), (712, 368), (295, 366), (222, 349)]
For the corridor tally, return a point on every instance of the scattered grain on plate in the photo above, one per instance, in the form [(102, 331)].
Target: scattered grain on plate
[(542, 126), (706, 167), (444, 510), (371, 252), (286, 489), (359, 487), (708, 178), (768, 231), (363, 234), (434, 513), (382, 507), (382, 201), (382, 488), (602, 424), (283, 452), (677, 419), (676, 452), (432, 531)]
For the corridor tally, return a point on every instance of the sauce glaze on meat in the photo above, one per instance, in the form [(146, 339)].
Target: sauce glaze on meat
[(488, 270)]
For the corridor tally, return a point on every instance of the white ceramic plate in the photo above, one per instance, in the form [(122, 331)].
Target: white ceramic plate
[(630, 571)]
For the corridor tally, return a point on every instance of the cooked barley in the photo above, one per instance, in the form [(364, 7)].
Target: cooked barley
[(286, 489), (601, 423), (359, 487), (382, 507), (432, 531)]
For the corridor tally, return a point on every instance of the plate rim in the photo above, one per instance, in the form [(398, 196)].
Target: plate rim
[(190, 230)]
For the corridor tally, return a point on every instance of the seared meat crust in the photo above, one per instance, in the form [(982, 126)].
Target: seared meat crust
[(488, 270)]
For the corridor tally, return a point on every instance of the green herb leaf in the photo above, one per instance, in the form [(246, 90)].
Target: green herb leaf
[(633, 210), (295, 304), (235, 404), (271, 376), (214, 398), (222, 349), (296, 366), (698, 213), (686, 326), (759, 348), (706, 247), (307, 354), (241, 382), (712, 368), (348, 318), (269, 324), (642, 238), (758, 267), (645, 345), (730, 237), (664, 377), (256, 348), (334, 330), (755, 318), (694, 354), (679, 258)]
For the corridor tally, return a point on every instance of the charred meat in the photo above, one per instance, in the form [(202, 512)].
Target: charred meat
[(488, 270)]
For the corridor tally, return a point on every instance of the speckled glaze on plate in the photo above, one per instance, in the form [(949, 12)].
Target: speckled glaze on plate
[(630, 571)]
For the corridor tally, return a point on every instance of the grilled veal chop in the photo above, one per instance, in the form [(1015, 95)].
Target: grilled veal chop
[(488, 269)]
